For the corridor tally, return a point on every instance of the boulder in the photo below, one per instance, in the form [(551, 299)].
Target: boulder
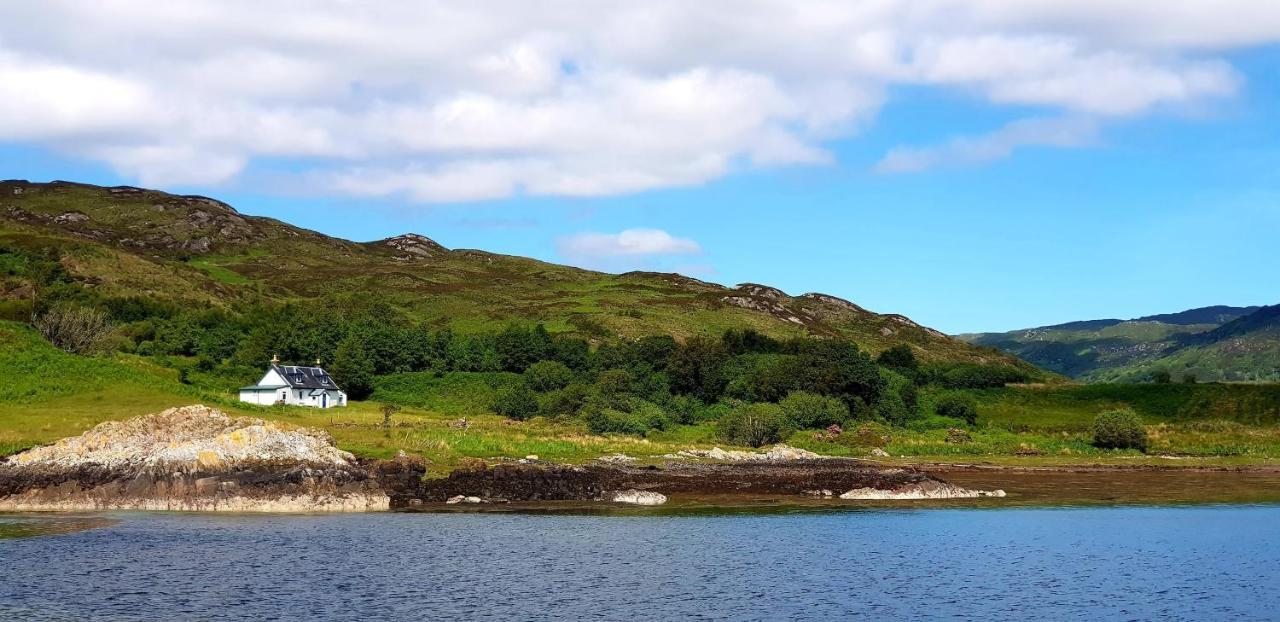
[(639, 497)]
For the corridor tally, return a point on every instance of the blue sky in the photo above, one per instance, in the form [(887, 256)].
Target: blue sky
[(1010, 212)]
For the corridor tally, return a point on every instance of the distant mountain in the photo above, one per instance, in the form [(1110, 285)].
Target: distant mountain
[(198, 252), (1211, 343)]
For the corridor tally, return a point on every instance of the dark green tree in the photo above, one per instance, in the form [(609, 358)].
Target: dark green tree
[(697, 368), (546, 376), (957, 406), (516, 401), (353, 368)]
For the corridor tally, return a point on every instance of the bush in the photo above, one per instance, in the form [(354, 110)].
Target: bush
[(643, 417), (901, 359), (869, 434), (78, 330), (546, 376), (564, 401), (516, 402), (899, 403), (972, 376), (1119, 429), (806, 410), (957, 406), (754, 425), (685, 409)]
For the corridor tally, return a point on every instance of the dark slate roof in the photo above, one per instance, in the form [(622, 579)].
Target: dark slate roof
[(306, 377)]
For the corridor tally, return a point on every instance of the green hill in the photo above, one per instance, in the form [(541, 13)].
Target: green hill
[(124, 243), (1219, 343)]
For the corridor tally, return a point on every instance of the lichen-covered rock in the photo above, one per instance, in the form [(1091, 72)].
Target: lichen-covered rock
[(190, 458), (927, 489), (639, 497), (187, 439), (777, 453)]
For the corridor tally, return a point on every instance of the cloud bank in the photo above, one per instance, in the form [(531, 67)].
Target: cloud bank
[(628, 243), (968, 151), (439, 101)]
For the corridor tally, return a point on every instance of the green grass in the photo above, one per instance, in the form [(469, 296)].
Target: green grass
[(218, 272), (46, 394), (456, 394)]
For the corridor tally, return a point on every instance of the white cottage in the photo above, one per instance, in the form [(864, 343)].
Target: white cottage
[(295, 386)]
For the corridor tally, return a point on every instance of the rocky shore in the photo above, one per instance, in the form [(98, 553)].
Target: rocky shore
[(192, 458), (196, 458), (615, 480)]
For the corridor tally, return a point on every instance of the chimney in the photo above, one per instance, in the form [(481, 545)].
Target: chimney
[(317, 361)]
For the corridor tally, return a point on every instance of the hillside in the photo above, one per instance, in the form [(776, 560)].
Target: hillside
[(130, 242), (1218, 343)]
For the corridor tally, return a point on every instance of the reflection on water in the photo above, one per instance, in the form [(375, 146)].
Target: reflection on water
[(1203, 562), (31, 525), (1199, 562), (1160, 487)]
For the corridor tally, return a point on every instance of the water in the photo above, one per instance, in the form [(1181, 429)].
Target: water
[(1104, 563)]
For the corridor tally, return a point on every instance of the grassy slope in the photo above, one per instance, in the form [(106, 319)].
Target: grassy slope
[(127, 241), (46, 394), (1111, 350), (1246, 349)]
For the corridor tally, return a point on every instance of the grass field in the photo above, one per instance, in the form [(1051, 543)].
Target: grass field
[(46, 394)]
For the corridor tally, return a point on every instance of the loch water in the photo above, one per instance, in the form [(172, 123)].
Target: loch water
[(1205, 562)]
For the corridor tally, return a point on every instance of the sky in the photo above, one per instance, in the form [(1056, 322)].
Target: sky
[(976, 165)]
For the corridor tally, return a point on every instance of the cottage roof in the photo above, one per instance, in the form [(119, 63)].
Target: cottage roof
[(306, 377)]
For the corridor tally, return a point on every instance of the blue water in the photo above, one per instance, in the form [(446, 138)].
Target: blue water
[(1192, 563)]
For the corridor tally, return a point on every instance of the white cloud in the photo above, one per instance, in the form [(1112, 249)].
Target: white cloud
[(465, 101), (628, 243), (1000, 144)]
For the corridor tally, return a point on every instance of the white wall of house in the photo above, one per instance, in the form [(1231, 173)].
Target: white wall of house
[(315, 398), (265, 398), (272, 379)]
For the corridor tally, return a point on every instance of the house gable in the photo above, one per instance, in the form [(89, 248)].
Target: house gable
[(273, 379)]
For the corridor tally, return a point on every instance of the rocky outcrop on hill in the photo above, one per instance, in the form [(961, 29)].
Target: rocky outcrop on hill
[(191, 458), (413, 245)]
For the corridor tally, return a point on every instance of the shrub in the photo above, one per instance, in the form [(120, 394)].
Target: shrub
[(78, 330), (684, 409), (899, 403), (869, 434), (546, 376), (754, 425), (806, 410), (1161, 376), (564, 401), (957, 406), (972, 376), (643, 417), (901, 359), (515, 402), (614, 382), (1119, 429)]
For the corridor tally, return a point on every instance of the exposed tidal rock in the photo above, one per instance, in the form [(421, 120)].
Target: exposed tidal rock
[(511, 482), (639, 497), (192, 458), (928, 489), (777, 453)]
